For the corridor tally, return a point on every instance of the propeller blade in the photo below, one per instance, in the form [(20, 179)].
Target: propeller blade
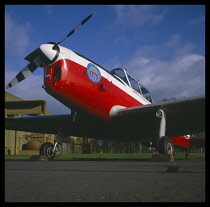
[(25, 72), (76, 28)]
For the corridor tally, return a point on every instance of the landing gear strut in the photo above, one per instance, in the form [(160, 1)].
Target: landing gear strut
[(165, 144), (48, 149)]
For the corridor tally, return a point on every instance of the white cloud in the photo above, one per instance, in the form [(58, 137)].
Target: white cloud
[(180, 74), (171, 48), (197, 21), (16, 36), (134, 16)]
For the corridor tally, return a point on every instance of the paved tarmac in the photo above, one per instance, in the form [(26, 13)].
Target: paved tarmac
[(104, 181)]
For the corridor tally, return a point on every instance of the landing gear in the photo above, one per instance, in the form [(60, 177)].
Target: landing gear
[(47, 150), (166, 146)]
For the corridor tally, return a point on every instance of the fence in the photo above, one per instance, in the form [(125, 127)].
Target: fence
[(91, 146)]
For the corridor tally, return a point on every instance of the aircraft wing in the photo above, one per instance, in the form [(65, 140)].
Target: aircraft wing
[(48, 124), (183, 116)]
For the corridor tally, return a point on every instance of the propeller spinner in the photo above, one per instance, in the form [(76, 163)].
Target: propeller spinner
[(43, 54)]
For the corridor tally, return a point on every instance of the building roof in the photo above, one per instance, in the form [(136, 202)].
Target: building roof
[(11, 97), (15, 105)]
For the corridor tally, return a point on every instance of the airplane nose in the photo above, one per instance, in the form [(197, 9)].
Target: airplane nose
[(48, 54)]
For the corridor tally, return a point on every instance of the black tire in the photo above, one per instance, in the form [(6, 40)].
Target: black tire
[(166, 146), (46, 150)]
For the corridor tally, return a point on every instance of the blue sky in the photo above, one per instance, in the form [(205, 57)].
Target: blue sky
[(163, 46)]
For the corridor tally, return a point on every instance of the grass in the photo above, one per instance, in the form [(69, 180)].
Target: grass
[(108, 157), (17, 157)]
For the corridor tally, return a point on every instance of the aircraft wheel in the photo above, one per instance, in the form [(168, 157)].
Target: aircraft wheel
[(166, 146), (46, 150)]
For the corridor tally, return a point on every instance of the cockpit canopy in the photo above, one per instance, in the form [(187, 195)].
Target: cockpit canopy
[(124, 77)]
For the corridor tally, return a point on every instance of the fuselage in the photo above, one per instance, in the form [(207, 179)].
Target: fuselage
[(86, 87)]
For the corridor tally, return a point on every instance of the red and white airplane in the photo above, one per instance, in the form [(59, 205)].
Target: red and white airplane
[(108, 105)]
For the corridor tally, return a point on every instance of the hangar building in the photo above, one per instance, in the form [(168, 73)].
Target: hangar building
[(16, 141)]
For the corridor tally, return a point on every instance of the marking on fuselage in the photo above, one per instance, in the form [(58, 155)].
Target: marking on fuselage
[(93, 73)]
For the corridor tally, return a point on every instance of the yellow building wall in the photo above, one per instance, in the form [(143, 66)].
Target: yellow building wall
[(14, 140)]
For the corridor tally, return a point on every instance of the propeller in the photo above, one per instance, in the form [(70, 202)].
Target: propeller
[(76, 28), (41, 55)]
